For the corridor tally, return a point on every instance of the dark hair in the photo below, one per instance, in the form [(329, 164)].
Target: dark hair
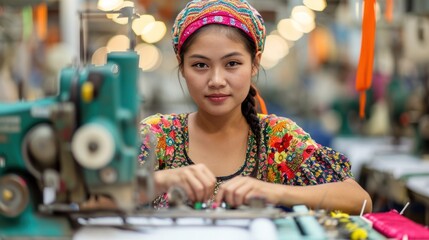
[(248, 106)]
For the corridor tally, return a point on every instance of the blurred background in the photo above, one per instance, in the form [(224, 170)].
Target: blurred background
[(311, 55), (309, 71)]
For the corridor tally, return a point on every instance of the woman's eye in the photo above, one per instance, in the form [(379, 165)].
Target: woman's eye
[(233, 64), (200, 65)]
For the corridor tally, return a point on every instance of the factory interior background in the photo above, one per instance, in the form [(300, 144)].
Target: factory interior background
[(308, 74)]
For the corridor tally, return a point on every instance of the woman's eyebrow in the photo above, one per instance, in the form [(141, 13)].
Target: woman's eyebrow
[(232, 55), (199, 56)]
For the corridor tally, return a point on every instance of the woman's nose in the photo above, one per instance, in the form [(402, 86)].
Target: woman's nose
[(217, 78)]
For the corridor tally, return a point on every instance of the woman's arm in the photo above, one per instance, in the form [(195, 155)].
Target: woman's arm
[(346, 196)]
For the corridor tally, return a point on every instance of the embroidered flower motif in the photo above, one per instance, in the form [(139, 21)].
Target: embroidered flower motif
[(278, 127), (169, 149), (165, 123), (170, 141), (152, 120), (286, 140), (280, 157), (279, 147), (273, 140), (176, 123)]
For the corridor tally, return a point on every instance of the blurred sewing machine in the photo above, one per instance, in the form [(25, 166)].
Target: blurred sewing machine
[(60, 153), (56, 152)]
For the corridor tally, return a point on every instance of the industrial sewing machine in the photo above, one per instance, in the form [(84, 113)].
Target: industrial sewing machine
[(56, 152), (59, 153)]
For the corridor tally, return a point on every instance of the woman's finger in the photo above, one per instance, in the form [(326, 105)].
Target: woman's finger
[(197, 186), (227, 190), (240, 194), (209, 182), (202, 180)]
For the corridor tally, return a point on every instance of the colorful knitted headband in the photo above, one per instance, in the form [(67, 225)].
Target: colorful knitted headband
[(235, 13)]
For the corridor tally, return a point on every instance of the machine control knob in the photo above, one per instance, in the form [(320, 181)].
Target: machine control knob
[(87, 92)]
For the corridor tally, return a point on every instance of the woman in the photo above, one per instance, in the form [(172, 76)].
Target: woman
[(226, 151)]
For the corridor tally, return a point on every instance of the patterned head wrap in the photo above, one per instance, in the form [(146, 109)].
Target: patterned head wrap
[(235, 13)]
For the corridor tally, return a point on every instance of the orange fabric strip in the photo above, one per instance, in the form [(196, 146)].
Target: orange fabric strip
[(388, 14), (261, 103), (41, 14), (365, 66)]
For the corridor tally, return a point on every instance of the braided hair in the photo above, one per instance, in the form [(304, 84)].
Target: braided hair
[(248, 108)]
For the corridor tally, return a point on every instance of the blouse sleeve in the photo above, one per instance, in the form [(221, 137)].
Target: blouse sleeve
[(294, 158), (323, 166), (152, 135), (150, 139)]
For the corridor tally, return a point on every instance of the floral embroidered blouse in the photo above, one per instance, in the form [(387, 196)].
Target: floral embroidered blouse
[(288, 155)]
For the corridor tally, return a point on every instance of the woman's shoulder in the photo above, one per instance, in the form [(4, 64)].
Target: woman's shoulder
[(278, 128), (280, 124), (273, 119), (288, 146), (164, 122), (164, 119)]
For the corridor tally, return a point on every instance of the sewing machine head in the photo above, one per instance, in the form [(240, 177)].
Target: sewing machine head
[(56, 152)]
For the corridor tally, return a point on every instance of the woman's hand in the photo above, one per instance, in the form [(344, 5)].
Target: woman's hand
[(240, 190), (196, 180)]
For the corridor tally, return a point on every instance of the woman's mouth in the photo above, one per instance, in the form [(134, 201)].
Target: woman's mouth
[(217, 98)]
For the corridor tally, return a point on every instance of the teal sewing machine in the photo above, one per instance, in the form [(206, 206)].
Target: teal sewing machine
[(57, 152)]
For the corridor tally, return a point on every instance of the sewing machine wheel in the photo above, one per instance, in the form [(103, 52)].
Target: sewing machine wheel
[(14, 195), (93, 146), (42, 145), (39, 149)]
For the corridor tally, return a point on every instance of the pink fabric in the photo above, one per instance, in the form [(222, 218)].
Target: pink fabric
[(393, 225)]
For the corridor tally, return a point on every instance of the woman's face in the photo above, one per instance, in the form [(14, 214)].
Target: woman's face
[(218, 72)]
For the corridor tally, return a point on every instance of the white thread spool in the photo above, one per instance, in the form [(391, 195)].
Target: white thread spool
[(93, 146)]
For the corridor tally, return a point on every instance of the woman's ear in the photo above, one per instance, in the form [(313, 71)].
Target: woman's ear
[(256, 63)]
